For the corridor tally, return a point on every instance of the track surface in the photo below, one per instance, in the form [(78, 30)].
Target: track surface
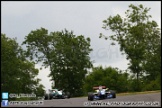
[(148, 100)]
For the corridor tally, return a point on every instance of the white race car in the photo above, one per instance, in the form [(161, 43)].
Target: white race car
[(56, 94)]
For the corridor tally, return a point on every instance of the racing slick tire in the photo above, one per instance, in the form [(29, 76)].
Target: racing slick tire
[(113, 93), (51, 96), (90, 96), (48, 97), (68, 95)]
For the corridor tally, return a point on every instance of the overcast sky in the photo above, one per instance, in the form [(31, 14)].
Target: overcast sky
[(84, 18)]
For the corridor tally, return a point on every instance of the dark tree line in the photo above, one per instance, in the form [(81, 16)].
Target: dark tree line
[(18, 75)]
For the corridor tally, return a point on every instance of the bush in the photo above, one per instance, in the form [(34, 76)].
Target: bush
[(153, 85)]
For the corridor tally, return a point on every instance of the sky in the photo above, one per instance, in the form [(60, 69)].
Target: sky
[(19, 18)]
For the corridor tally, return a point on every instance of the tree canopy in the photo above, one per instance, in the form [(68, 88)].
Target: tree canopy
[(109, 77), (66, 54), (139, 38), (18, 75)]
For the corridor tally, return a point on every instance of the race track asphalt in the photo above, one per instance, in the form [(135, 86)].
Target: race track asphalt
[(144, 100)]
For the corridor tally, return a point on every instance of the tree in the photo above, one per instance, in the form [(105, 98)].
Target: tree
[(39, 91), (8, 53), (110, 77), (17, 73), (137, 37), (66, 54)]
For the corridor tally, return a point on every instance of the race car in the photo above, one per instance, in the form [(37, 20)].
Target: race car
[(101, 92), (56, 94)]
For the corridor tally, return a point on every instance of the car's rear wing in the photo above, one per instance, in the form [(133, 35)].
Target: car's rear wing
[(98, 87)]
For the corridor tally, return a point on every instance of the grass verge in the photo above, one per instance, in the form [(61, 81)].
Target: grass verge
[(135, 93)]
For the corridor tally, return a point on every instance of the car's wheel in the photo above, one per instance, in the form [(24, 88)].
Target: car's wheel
[(114, 96), (113, 93), (68, 95), (46, 97), (90, 96), (50, 96)]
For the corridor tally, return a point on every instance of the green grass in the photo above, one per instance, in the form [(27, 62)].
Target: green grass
[(135, 93)]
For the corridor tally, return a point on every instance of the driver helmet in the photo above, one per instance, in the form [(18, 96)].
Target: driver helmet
[(100, 87)]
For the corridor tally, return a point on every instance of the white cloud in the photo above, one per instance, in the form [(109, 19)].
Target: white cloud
[(13, 8), (122, 64)]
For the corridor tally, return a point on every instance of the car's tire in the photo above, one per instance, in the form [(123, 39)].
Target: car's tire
[(113, 93), (114, 96), (90, 96), (68, 94), (46, 97), (50, 96)]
